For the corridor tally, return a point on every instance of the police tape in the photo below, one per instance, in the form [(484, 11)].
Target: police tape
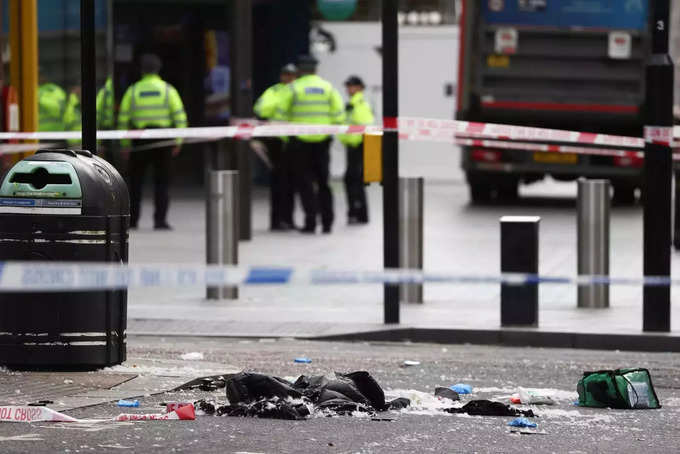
[(423, 129), (23, 147), (550, 148), (81, 276), (490, 144), (29, 414)]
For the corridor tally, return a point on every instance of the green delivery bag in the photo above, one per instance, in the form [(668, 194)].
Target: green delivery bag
[(620, 388)]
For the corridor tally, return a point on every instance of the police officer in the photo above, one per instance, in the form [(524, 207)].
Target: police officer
[(105, 116), (151, 103), (280, 188), (51, 107), (312, 100), (72, 115), (358, 113)]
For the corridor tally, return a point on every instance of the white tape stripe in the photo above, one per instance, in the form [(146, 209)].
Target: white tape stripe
[(102, 334), (39, 210), (67, 343)]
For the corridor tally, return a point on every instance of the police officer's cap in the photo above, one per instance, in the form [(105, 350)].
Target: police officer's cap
[(150, 63), (307, 62), (354, 80), (290, 68)]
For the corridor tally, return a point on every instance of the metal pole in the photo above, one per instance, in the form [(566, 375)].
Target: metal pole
[(656, 309), (222, 226), (676, 212), (593, 240), (519, 254), (242, 101), (88, 76), (411, 234), (390, 153)]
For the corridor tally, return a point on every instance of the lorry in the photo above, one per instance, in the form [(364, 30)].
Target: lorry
[(563, 64)]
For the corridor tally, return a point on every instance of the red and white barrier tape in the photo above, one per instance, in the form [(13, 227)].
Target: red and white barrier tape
[(422, 128), (29, 414), (547, 148), (659, 135), (11, 148), (417, 129)]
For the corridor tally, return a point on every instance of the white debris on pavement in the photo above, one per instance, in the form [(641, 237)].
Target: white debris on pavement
[(561, 416), (192, 356), (555, 394), (24, 437), (166, 370), (422, 403), (494, 389)]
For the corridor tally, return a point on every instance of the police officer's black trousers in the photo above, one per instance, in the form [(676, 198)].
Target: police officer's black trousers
[(311, 167), (357, 206), (280, 184), (160, 159)]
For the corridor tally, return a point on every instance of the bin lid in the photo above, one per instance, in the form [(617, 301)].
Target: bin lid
[(64, 182), (44, 179)]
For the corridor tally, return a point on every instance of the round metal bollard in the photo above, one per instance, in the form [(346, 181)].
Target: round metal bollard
[(222, 226), (411, 234), (593, 240)]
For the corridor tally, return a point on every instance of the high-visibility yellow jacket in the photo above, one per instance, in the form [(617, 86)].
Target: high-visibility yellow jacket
[(312, 100), (266, 105), (73, 117), (358, 112), (105, 115), (51, 107), (151, 103)]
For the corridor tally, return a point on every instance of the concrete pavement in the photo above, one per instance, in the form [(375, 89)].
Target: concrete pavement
[(493, 372), (458, 238)]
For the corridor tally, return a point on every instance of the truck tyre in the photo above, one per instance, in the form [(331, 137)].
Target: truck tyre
[(480, 193), (624, 194), (508, 191)]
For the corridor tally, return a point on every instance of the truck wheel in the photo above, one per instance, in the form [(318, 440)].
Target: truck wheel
[(508, 191), (480, 192), (624, 194)]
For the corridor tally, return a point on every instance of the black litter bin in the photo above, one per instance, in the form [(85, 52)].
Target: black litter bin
[(63, 205)]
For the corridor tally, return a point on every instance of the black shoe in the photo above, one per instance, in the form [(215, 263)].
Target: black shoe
[(162, 226), (309, 229), (326, 229), (282, 227)]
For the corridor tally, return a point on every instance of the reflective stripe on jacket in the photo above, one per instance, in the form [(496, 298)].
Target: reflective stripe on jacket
[(312, 100), (358, 113)]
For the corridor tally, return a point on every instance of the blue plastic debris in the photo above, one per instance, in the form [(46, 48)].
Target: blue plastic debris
[(303, 360), (128, 403), (522, 422), (462, 388)]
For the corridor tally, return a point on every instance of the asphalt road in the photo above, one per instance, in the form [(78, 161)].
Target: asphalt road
[(494, 372)]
